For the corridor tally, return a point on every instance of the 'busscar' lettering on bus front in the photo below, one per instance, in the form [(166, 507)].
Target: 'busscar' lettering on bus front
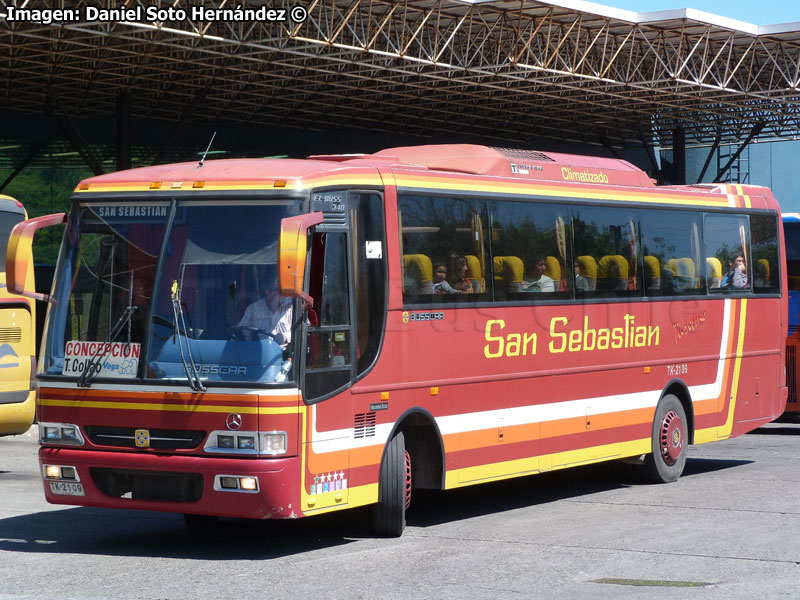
[(587, 339)]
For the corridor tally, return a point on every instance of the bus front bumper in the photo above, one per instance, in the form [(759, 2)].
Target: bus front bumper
[(226, 487)]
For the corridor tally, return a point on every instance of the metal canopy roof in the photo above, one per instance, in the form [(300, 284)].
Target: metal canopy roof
[(497, 69)]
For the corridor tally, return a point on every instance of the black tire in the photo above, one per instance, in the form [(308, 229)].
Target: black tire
[(394, 488), (200, 523), (669, 440)]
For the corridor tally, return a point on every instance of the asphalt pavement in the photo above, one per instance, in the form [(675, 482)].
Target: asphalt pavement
[(729, 528)]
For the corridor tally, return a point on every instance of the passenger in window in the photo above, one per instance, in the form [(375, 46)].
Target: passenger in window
[(269, 315), (581, 282), (440, 283), (736, 277), (535, 280), (457, 274)]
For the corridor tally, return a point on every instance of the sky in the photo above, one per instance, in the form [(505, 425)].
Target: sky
[(766, 12)]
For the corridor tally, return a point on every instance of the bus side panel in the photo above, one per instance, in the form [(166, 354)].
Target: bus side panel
[(758, 399), (16, 350), (531, 388)]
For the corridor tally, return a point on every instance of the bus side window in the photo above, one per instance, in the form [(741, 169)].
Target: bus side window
[(764, 232), (727, 238), (671, 243), (529, 252), (443, 248), (610, 237)]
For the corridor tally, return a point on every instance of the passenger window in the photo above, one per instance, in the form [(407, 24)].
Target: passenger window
[(727, 241), (529, 251), (764, 231), (443, 249), (606, 251), (671, 254)]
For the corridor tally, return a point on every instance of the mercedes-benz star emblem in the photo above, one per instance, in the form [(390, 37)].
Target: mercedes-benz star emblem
[(233, 421)]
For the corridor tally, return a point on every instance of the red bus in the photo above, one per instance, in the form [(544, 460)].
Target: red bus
[(456, 315)]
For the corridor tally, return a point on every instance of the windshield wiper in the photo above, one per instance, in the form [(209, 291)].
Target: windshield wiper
[(182, 333), (88, 375)]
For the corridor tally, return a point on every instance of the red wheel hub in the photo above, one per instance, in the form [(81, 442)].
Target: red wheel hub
[(671, 437)]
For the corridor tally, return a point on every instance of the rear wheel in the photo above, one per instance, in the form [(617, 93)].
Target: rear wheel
[(394, 488), (669, 440)]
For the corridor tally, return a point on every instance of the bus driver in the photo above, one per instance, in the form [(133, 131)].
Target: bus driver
[(271, 313)]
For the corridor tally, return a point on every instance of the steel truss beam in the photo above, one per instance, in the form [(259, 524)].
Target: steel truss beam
[(510, 70)]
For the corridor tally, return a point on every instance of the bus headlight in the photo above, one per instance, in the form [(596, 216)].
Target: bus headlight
[(246, 442), (60, 472), (269, 443), (236, 483), (60, 433), (249, 484), (273, 443), (225, 441)]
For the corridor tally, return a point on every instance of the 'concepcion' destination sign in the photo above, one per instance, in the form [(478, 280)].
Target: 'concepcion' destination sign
[(113, 359)]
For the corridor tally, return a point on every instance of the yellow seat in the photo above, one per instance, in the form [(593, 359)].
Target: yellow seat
[(683, 273), (713, 272), (652, 273), (475, 274), (761, 275), (417, 274), (588, 269), (687, 269), (508, 273), (612, 272), (553, 271)]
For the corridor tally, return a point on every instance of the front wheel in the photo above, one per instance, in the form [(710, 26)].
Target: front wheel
[(669, 440), (394, 488)]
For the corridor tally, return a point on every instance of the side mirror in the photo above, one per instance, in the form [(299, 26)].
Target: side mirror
[(19, 258), (292, 251)]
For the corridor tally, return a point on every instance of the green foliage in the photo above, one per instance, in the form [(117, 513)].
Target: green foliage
[(45, 191)]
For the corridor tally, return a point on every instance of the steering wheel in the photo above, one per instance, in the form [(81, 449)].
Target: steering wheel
[(164, 322), (245, 333), (159, 320)]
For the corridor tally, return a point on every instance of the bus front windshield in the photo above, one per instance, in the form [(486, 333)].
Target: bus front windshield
[(180, 292)]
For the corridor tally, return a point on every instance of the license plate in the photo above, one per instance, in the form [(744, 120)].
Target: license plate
[(67, 488)]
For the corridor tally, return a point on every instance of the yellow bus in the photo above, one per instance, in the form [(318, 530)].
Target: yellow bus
[(17, 333)]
